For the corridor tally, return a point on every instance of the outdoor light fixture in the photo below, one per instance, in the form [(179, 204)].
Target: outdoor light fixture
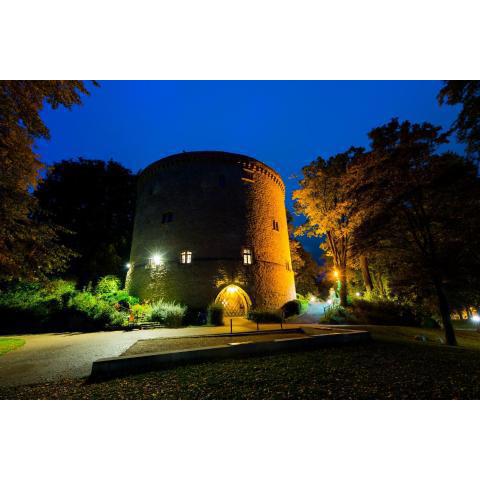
[(335, 273), (128, 266), (231, 289), (358, 294), (156, 259), (329, 301), (476, 318)]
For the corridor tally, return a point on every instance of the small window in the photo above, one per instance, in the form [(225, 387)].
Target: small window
[(186, 257), (167, 217), (247, 256), (287, 266), (247, 175), (275, 225)]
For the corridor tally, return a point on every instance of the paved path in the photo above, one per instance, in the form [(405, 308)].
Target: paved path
[(53, 356), (314, 312)]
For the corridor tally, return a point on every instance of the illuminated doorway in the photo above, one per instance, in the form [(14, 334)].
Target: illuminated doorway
[(235, 301)]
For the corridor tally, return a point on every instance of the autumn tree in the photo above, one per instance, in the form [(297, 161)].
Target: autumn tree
[(28, 247), (327, 209), (95, 202), (467, 125), (418, 210)]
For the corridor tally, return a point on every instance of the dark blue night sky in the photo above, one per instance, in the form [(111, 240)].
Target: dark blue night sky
[(285, 124)]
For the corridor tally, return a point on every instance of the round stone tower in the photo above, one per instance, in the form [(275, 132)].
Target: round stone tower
[(211, 227)]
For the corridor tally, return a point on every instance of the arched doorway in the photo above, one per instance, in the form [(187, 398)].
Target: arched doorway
[(235, 301)]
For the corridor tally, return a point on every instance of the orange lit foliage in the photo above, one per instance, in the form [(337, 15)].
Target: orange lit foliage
[(328, 210)]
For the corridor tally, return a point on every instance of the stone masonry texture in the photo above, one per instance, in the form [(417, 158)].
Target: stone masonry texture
[(220, 204)]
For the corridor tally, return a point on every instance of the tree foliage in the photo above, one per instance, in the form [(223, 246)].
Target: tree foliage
[(467, 125), (95, 202), (328, 211), (28, 247), (417, 213)]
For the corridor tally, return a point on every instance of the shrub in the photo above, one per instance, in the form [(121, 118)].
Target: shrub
[(108, 285), (340, 316), (169, 314), (303, 299), (141, 312), (57, 306), (265, 316), (108, 288), (195, 316), (293, 307), (95, 312), (29, 307), (384, 312), (119, 319), (215, 314)]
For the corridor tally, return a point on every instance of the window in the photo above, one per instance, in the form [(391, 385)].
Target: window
[(247, 175), (275, 225), (247, 256), (186, 257), (167, 217), (287, 266)]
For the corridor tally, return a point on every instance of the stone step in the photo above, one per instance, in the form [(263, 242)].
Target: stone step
[(148, 325)]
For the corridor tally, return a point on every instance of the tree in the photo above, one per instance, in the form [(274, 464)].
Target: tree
[(95, 202), (28, 247), (418, 210), (467, 125), (327, 210)]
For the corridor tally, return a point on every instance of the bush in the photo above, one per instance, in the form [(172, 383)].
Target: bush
[(29, 307), (119, 319), (265, 316), (195, 316), (215, 314), (108, 285), (95, 312), (340, 316), (57, 306), (141, 312), (384, 312), (291, 308), (169, 314), (303, 299), (108, 289)]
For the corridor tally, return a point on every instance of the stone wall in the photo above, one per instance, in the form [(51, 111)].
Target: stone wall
[(220, 203)]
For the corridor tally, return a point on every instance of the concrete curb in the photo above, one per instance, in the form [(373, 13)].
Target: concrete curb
[(132, 364)]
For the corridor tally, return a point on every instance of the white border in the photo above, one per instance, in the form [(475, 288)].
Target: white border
[(247, 39)]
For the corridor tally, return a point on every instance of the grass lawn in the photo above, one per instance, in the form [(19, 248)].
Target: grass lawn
[(374, 370), (8, 344)]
